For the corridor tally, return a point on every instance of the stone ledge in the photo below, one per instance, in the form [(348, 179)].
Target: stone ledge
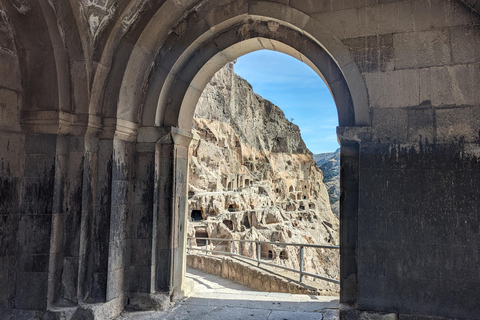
[(257, 278)]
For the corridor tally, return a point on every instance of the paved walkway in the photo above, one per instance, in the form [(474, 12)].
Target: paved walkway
[(218, 298)]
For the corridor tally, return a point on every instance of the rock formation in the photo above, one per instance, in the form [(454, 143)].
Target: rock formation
[(252, 177), (329, 163)]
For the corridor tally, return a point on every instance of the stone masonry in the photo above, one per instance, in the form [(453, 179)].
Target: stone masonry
[(96, 106)]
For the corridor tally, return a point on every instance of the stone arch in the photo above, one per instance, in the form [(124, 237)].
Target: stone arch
[(153, 63), (189, 75)]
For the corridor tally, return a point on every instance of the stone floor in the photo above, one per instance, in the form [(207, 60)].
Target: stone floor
[(217, 298)]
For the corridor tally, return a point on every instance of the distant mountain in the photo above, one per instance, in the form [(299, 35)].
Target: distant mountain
[(321, 158), (329, 163)]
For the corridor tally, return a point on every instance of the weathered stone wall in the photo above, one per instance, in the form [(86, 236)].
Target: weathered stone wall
[(88, 86), (253, 277)]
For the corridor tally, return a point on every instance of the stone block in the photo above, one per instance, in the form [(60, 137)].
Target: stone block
[(441, 14), (393, 89), (162, 270), (73, 199), (372, 226), (117, 255), (425, 297), (180, 40), (12, 151), (200, 57), (39, 166), (31, 290), (9, 225), (465, 42), (69, 281), (280, 12), (453, 124), (7, 278), (9, 110), (376, 20), (121, 192), (140, 279), (343, 23), (372, 53), (421, 125), (325, 36), (450, 85), (119, 222), (140, 61), (141, 252), (421, 49), (122, 166), (390, 124), (9, 195), (115, 284), (312, 6), (376, 293), (34, 234), (226, 11), (344, 102), (37, 195), (41, 144), (175, 98), (11, 71), (373, 188), (142, 221), (72, 233)]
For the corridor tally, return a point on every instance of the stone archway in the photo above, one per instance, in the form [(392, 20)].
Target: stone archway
[(192, 69), (94, 133)]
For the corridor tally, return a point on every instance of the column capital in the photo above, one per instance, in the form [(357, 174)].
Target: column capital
[(356, 134), (175, 136)]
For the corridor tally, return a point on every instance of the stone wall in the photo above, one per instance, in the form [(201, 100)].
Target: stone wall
[(253, 277), (94, 95)]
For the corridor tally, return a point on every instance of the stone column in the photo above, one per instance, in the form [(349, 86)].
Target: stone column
[(170, 216), (42, 223), (350, 138), (142, 295)]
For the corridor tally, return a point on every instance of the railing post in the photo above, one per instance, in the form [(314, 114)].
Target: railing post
[(231, 248), (301, 264), (259, 247), (206, 248)]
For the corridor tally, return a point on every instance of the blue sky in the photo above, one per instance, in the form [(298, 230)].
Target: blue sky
[(298, 91)]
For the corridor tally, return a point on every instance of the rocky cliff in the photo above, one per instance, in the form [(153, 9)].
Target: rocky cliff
[(252, 177), (329, 163)]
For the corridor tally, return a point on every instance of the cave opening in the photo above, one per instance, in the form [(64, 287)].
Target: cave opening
[(228, 223), (196, 215), (201, 233)]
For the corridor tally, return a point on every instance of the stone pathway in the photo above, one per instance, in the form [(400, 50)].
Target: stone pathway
[(218, 298)]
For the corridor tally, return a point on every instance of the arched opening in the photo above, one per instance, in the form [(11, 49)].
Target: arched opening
[(216, 109), (181, 90), (196, 215)]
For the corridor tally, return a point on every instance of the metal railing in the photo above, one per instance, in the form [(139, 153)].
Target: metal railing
[(259, 260)]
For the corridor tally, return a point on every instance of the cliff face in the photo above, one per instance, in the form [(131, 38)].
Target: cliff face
[(329, 163), (252, 177)]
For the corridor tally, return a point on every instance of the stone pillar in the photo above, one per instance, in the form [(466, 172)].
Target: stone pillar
[(350, 138), (170, 211), (44, 215), (96, 209), (141, 273), (120, 219)]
